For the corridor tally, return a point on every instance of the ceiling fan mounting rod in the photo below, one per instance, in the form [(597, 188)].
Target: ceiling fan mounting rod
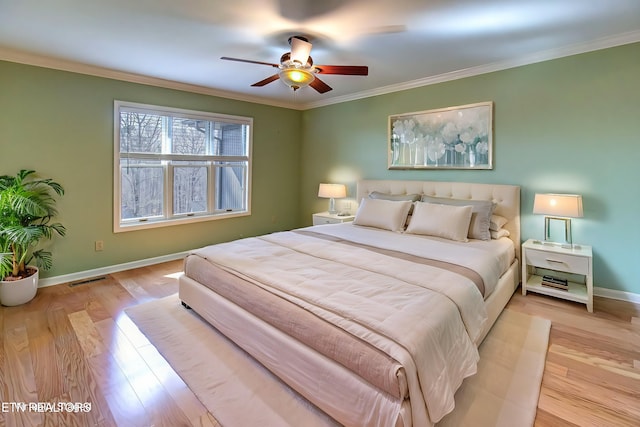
[(304, 39)]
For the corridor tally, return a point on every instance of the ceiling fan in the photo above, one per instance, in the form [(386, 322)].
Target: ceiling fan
[(297, 69)]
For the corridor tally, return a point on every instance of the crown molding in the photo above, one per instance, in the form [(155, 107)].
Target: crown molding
[(599, 44), (76, 67), (92, 70)]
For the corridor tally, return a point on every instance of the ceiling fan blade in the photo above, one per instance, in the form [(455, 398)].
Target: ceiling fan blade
[(226, 58), (267, 80), (300, 50), (347, 70), (320, 86)]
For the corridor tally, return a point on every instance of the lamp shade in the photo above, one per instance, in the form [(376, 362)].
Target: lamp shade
[(330, 191), (561, 205)]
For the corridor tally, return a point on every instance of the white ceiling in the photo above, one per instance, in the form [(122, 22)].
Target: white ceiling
[(405, 43)]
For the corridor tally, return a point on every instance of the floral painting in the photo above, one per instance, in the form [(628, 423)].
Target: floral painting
[(447, 138)]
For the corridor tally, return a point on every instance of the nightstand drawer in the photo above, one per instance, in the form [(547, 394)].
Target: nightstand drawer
[(556, 261), (327, 218), (319, 220)]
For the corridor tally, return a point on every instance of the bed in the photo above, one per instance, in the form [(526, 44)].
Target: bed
[(374, 322)]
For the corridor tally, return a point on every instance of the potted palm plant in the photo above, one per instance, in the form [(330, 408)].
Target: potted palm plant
[(27, 207)]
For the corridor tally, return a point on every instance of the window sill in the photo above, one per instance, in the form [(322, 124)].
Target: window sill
[(145, 225)]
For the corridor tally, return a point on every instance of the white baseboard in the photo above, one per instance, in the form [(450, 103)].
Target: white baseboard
[(88, 274), (614, 294)]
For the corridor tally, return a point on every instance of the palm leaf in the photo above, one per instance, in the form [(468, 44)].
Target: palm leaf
[(44, 259), (27, 206), (6, 264)]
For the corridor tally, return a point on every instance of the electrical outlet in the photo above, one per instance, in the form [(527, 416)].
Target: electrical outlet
[(99, 245)]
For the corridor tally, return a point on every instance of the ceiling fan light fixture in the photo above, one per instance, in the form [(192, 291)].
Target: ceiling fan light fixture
[(296, 68), (296, 78)]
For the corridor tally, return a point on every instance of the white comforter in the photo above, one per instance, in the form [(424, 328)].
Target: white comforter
[(491, 259), (424, 317)]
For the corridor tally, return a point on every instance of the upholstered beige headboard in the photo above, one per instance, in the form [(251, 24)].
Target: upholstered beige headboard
[(506, 197)]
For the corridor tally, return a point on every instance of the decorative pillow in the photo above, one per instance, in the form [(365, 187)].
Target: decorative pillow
[(434, 219), (385, 214), (396, 198), (500, 233), (480, 219), (497, 222)]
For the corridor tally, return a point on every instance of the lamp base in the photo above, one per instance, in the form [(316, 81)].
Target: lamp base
[(332, 206), (557, 244), (567, 231)]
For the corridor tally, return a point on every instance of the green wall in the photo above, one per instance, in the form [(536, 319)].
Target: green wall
[(61, 125), (570, 125)]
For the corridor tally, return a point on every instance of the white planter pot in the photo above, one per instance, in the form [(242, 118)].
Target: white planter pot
[(17, 292)]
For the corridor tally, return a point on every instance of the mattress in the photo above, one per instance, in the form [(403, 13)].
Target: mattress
[(359, 297)]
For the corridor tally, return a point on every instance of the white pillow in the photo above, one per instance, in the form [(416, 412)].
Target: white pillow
[(447, 221), (385, 214), (497, 222), (500, 233), (481, 211)]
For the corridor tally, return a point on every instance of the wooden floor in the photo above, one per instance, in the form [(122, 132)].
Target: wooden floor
[(75, 344)]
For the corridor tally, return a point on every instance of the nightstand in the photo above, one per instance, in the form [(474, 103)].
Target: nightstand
[(573, 264), (327, 218)]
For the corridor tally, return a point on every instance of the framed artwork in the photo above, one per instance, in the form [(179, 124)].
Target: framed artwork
[(446, 138)]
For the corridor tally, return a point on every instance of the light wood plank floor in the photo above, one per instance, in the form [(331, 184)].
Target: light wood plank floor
[(75, 344)]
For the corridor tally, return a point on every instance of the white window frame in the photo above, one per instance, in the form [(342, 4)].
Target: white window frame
[(169, 219)]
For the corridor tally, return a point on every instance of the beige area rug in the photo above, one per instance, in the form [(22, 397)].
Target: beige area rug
[(506, 388), (239, 393)]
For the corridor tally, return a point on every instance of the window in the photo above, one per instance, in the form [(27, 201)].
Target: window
[(175, 166)]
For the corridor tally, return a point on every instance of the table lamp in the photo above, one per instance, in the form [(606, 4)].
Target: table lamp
[(332, 192), (561, 207)]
